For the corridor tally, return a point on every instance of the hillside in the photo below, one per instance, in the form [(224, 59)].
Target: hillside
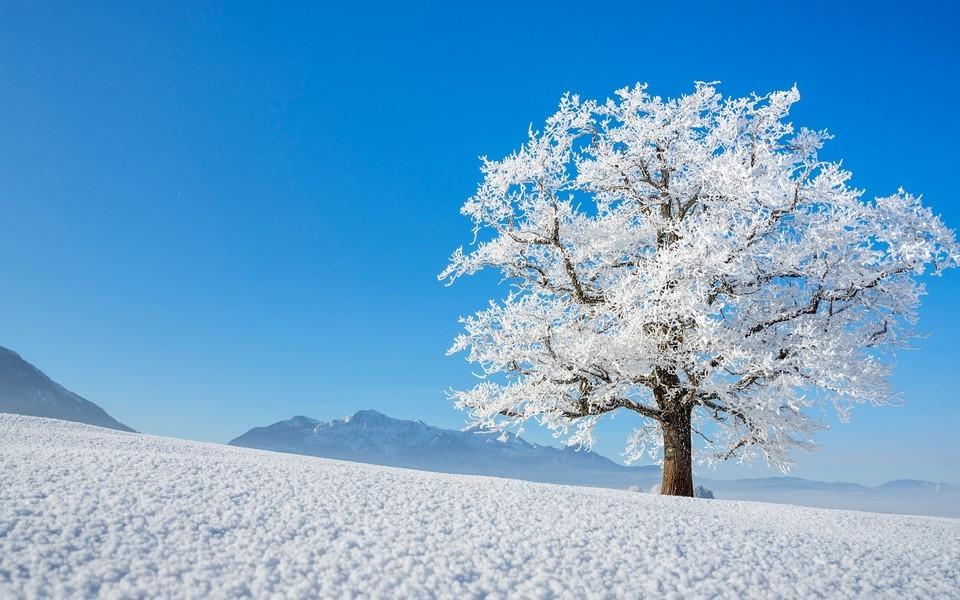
[(86, 511), (26, 390)]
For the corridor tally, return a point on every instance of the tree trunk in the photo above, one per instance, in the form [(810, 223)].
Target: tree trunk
[(677, 456)]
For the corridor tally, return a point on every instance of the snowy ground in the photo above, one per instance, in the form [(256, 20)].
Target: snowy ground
[(86, 511)]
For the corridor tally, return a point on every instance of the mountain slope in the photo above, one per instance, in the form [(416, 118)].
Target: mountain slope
[(371, 437), (25, 390), (89, 512)]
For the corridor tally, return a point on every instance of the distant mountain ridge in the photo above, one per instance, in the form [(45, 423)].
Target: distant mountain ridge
[(26, 390), (372, 437)]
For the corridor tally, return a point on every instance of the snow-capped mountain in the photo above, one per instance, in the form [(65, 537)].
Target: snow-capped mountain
[(26, 390), (371, 437)]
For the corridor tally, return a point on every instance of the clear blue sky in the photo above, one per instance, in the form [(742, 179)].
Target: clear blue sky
[(218, 217)]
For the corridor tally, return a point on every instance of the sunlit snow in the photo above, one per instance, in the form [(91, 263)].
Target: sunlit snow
[(88, 511)]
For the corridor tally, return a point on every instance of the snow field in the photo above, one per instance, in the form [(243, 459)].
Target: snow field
[(91, 512)]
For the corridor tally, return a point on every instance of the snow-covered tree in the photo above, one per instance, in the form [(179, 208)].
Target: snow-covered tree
[(693, 261)]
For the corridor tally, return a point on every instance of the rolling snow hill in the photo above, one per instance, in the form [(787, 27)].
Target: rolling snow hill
[(92, 512), (371, 437), (25, 390)]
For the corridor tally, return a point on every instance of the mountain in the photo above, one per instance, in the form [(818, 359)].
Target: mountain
[(25, 390), (371, 437), (913, 485), (907, 496)]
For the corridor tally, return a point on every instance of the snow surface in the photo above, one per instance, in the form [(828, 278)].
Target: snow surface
[(86, 511)]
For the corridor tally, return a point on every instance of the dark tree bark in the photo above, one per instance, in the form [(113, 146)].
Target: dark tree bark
[(677, 455)]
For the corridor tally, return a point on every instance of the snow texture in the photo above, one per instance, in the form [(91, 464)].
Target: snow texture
[(86, 511)]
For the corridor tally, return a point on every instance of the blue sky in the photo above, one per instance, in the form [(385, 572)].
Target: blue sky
[(218, 216)]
